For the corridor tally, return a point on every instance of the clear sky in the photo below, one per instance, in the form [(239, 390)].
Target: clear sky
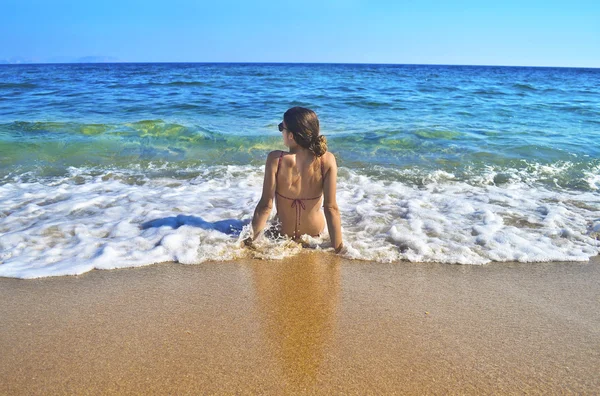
[(507, 32)]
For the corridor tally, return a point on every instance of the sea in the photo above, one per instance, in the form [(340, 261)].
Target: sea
[(107, 166)]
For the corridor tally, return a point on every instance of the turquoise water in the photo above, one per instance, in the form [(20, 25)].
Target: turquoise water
[(531, 130), (453, 118)]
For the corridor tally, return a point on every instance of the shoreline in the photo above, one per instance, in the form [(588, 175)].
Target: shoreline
[(313, 323)]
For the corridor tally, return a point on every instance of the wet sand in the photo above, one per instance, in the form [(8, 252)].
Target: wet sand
[(311, 324)]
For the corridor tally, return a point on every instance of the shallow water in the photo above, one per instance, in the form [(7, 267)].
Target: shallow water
[(453, 164)]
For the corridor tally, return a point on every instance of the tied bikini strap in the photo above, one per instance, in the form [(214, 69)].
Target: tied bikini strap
[(298, 204), (278, 165)]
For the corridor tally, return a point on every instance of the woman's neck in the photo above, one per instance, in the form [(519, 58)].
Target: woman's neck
[(301, 152)]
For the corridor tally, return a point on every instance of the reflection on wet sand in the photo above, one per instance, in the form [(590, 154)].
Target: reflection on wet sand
[(298, 302)]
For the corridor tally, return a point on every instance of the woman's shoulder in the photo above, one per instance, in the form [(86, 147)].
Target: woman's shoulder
[(273, 159), (275, 155), (328, 156), (328, 159)]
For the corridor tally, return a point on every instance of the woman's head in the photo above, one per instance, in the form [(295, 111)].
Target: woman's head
[(303, 124)]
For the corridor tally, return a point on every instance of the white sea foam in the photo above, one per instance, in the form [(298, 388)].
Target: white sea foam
[(72, 225), (592, 177)]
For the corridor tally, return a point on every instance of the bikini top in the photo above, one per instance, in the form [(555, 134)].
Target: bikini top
[(298, 203)]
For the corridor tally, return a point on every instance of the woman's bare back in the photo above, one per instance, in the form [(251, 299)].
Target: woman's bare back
[(301, 181), (298, 195)]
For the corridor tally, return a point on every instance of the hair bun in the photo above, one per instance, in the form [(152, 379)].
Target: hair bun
[(319, 145)]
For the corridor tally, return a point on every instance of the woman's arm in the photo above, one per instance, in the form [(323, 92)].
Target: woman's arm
[(263, 209), (332, 213)]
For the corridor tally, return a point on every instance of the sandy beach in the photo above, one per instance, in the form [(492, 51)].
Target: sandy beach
[(311, 324)]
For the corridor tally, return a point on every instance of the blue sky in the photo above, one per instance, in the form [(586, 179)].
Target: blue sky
[(530, 33)]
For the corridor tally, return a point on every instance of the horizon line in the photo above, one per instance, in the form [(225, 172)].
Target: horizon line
[(291, 63)]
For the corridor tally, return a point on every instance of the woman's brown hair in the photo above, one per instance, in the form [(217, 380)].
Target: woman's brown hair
[(304, 125)]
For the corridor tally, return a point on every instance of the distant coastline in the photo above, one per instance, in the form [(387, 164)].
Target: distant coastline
[(63, 59)]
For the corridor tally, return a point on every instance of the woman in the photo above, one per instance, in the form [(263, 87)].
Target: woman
[(297, 179)]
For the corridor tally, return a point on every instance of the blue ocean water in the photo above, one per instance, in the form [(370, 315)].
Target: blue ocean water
[(458, 164)]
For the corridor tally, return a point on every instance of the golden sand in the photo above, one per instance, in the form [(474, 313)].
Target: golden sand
[(311, 324)]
